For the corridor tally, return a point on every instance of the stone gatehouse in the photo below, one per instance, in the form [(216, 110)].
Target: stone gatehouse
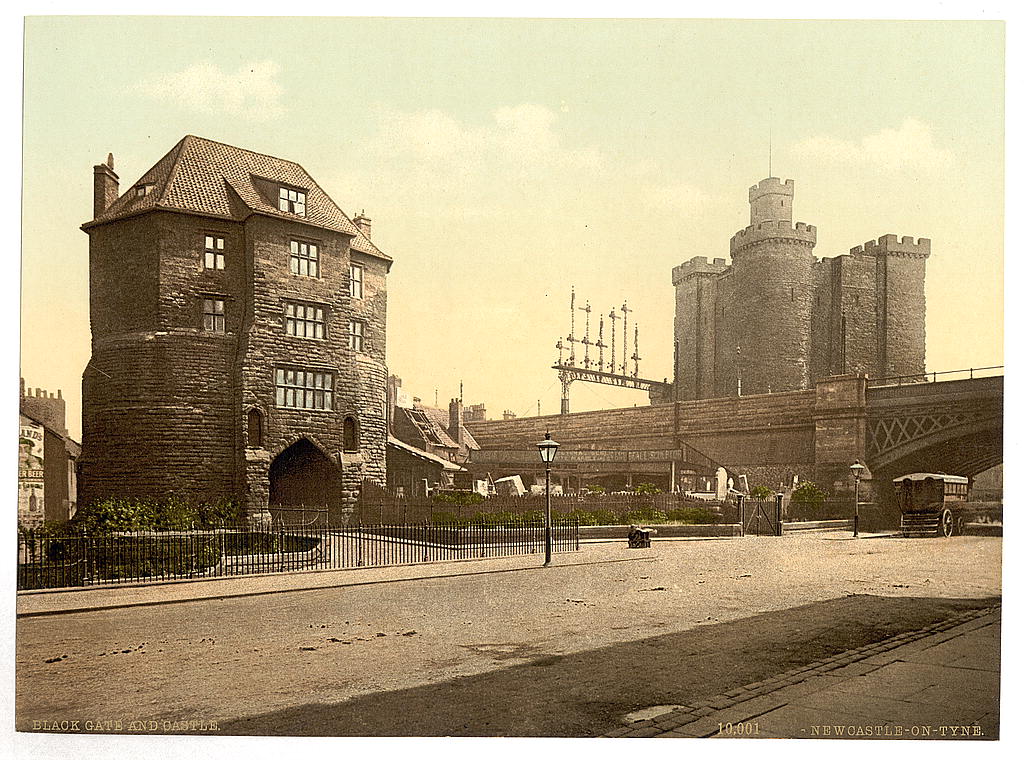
[(238, 335)]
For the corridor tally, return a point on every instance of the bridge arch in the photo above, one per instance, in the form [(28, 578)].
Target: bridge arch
[(967, 449)]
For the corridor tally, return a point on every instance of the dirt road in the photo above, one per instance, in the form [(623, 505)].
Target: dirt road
[(563, 651)]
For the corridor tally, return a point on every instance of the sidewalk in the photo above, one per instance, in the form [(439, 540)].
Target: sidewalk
[(941, 682), (88, 599)]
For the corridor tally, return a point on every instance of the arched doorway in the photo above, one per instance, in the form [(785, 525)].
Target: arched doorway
[(303, 475)]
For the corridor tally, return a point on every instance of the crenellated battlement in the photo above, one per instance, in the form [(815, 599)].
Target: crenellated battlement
[(890, 244), (698, 265), (771, 186), (757, 233)]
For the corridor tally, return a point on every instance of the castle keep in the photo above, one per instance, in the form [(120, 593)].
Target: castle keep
[(777, 319), (238, 334)]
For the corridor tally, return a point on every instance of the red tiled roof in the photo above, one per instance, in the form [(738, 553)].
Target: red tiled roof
[(201, 176)]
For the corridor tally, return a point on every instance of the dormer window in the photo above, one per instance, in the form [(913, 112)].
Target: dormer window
[(292, 201), (141, 191)]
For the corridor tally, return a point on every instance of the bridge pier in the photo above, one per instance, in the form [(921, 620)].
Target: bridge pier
[(840, 432)]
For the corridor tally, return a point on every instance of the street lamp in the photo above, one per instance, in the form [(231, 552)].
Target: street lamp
[(857, 469), (547, 449)]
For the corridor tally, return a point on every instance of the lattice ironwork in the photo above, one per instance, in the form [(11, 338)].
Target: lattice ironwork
[(889, 433)]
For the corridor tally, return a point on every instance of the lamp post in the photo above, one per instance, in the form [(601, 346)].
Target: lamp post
[(857, 469), (547, 449)]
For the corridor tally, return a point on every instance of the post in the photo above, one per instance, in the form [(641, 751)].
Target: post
[(547, 515), (856, 504), (778, 514), (739, 510)]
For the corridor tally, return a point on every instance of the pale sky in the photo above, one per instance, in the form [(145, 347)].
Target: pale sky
[(503, 161)]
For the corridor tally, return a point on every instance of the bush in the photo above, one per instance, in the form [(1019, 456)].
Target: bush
[(693, 516), (646, 488), (114, 514), (807, 501), (644, 515), (605, 517), (762, 493), (584, 517), (457, 498), (808, 494), (596, 488)]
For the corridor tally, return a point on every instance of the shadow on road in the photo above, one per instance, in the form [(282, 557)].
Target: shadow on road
[(585, 694)]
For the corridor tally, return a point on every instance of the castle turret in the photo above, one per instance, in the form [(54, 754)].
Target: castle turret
[(769, 318), (771, 200)]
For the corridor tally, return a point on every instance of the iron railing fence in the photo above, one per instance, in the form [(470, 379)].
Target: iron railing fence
[(79, 559), (934, 377), (379, 506), (835, 508)]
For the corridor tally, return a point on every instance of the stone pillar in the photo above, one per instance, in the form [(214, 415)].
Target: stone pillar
[(840, 431), (257, 482)]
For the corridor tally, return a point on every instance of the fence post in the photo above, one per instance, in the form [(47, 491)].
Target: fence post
[(778, 514), (739, 511)]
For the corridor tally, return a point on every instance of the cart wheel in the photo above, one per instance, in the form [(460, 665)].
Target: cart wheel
[(959, 525), (946, 524)]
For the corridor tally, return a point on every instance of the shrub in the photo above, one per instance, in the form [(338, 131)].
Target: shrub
[(457, 498), (807, 501), (644, 515), (600, 517), (646, 488), (693, 516), (762, 493), (171, 513), (596, 488), (808, 494), (584, 517)]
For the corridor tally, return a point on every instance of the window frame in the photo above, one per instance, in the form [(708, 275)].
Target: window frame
[(354, 281), (214, 321), (293, 320), (286, 204), (292, 383), (357, 335), (297, 257), (216, 250)]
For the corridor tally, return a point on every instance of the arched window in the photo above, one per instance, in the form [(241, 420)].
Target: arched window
[(255, 428), (350, 435)]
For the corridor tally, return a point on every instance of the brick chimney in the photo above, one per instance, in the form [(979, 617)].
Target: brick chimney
[(104, 186), (363, 223), (455, 420)]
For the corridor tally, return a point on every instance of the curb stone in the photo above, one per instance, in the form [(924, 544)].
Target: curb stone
[(690, 713)]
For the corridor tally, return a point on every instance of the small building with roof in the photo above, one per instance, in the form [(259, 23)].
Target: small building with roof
[(238, 336)]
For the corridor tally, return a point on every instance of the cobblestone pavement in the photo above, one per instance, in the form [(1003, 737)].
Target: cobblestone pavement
[(938, 682)]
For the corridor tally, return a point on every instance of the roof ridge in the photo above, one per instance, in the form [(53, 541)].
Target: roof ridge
[(178, 150), (246, 150)]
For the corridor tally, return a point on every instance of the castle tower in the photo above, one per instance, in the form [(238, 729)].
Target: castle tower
[(696, 287), (768, 317)]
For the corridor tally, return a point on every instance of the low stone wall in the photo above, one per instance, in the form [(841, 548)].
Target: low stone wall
[(619, 532), (817, 525)]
